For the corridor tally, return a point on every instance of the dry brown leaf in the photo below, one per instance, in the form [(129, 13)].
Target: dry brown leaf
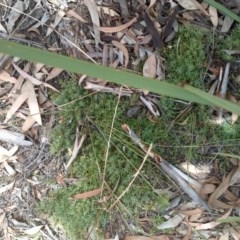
[(227, 24), (231, 178), (9, 169), (58, 17), (8, 153), (32, 101), (54, 73), (16, 105), (5, 76), (118, 28), (152, 2), (230, 196), (14, 15), (213, 15), (172, 222), (225, 235), (160, 69), (190, 213), (89, 194), (32, 79), (188, 234), (34, 230), (150, 67), (17, 86), (92, 8), (123, 49), (107, 11), (192, 5), (60, 180), (2, 217), (75, 15), (2, 29), (212, 225), (6, 187), (28, 123), (234, 233), (207, 188), (151, 106)]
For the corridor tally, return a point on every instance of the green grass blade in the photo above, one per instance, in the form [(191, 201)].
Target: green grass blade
[(113, 75), (230, 155), (223, 9), (230, 106)]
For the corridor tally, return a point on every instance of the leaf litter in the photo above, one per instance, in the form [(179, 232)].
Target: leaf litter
[(121, 34)]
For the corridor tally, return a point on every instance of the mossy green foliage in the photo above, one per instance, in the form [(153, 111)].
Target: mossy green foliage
[(192, 138), (123, 162), (230, 42), (186, 57)]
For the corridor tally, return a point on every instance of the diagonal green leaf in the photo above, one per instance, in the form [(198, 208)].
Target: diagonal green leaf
[(114, 75), (223, 9), (230, 106), (228, 155)]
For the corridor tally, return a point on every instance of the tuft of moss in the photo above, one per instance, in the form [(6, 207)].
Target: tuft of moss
[(186, 57), (76, 217), (230, 42)]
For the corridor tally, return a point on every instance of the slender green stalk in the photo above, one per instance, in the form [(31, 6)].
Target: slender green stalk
[(114, 75), (223, 9)]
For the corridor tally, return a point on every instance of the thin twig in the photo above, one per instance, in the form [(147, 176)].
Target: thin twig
[(77, 146), (134, 177), (109, 140)]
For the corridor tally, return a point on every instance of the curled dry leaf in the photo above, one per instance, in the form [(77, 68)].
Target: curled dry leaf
[(9, 169), (124, 50), (151, 106), (75, 15), (89, 194), (213, 224), (118, 28)]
